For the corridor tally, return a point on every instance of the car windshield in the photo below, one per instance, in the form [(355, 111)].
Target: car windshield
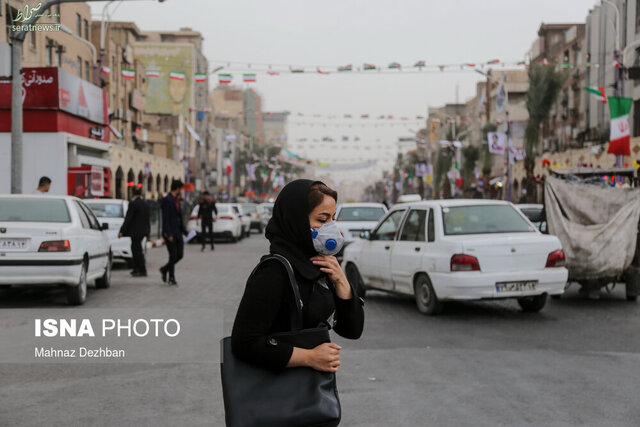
[(250, 208), (106, 210), (483, 219), (33, 210), (223, 209), (268, 209), (360, 214)]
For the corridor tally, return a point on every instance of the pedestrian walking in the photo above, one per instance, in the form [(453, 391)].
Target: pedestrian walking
[(207, 213), (173, 230), (44, 184), (302, 230), (137, 226)]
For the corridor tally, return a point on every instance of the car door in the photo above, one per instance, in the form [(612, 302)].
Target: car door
[(376, 254), (408, 251), (95, 241)]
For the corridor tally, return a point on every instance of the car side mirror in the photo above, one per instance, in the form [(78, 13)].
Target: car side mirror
[(366, 235), (104, 226)]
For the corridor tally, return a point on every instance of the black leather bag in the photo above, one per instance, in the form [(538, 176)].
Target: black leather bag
[(295, 397)]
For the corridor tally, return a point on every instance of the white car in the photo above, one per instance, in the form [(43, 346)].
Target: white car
[(266, 213), (245, 218), (112, 212), (53, 240), (535, 213), (446, 250), (253, 211), (227, 224), (354, 218)]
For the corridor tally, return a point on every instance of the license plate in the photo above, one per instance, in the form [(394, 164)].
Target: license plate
[(13, 244), (516, 286)]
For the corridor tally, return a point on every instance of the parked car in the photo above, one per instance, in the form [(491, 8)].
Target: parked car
[(112, 212), (535, 213), (227, 224), (445, 250), (246, 220), (266, 213), (253, 211), (53, 240), (354, 218)]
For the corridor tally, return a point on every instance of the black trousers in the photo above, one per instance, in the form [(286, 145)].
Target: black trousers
[(176, 252), (206, 225), (138, 254)]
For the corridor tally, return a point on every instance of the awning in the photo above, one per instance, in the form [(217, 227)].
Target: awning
[(115, 132), (193, 133)]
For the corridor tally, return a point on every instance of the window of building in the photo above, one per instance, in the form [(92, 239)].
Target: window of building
[(32, 39), (78, 25), (87, 69), (86, 29), (79, 67)]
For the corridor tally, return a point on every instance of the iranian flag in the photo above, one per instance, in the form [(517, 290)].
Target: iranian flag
[(619, 138), (249, 78), (106, 70), (176, 75), (598, 92), (201, 77), (224, 78), (369, 67), (153, 73), (128, 73)]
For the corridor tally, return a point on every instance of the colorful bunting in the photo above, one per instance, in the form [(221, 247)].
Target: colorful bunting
[(106, 70), (152, 73), (128, 73), (249, 78), (368, 67), (201, 77), (225, 78), (345, 68), (177, 75)]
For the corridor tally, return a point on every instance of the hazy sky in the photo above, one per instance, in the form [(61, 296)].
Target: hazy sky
[(339, 32)]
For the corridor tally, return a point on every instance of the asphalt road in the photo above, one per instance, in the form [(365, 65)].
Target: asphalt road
[(479, 364)]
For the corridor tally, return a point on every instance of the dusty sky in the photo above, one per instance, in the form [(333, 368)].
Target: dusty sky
[(340, 32)]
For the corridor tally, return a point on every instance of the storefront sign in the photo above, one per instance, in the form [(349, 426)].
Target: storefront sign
[(55, 89)]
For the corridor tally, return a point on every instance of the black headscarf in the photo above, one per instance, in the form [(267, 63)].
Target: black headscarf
[(289, 230)]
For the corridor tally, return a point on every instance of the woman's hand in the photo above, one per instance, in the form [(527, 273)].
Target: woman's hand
[(325, 357), (331, 266)]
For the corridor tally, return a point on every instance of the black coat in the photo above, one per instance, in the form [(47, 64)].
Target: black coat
[(206, 210), (136, 222), (266, 308), (172, 223), (267, 301)]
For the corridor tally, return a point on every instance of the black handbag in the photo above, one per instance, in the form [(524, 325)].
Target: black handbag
[(298, 396)]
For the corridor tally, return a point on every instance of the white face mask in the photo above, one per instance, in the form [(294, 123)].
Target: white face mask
[(328, 239)]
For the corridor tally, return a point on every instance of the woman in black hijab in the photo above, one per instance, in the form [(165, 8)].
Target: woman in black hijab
[(327, 297)]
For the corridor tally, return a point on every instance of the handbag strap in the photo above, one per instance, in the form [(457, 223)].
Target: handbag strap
[(296, 314)]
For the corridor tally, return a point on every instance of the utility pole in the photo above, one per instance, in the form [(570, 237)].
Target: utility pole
[(508, 160)]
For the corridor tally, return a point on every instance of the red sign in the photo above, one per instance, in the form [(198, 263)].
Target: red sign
[(54, 88)]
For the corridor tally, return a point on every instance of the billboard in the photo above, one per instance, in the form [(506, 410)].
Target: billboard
[(51, 88), (170, 76)]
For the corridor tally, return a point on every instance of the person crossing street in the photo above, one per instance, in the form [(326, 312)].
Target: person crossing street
[(137, 226), (172, 231), (207, 213)]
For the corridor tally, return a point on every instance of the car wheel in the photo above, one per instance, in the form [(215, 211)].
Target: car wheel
[(353, 276), (532, 304), (426, 299), (77, 295), (105, 281)]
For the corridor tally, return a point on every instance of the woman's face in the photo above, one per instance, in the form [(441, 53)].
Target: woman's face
[(323, 213)]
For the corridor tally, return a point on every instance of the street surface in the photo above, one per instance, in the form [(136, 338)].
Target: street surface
[(479, 364)]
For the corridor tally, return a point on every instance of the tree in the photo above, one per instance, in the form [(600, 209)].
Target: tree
[(545, 84), (485, 155), (444, 160)]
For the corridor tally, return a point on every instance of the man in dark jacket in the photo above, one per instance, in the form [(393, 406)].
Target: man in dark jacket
[(136, 225), (172, 231), (206, 213)]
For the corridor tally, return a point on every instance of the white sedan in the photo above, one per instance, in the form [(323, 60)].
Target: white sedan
[(53, 240), (354, 218), (446, 250), (112, 212), (227, 223)]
